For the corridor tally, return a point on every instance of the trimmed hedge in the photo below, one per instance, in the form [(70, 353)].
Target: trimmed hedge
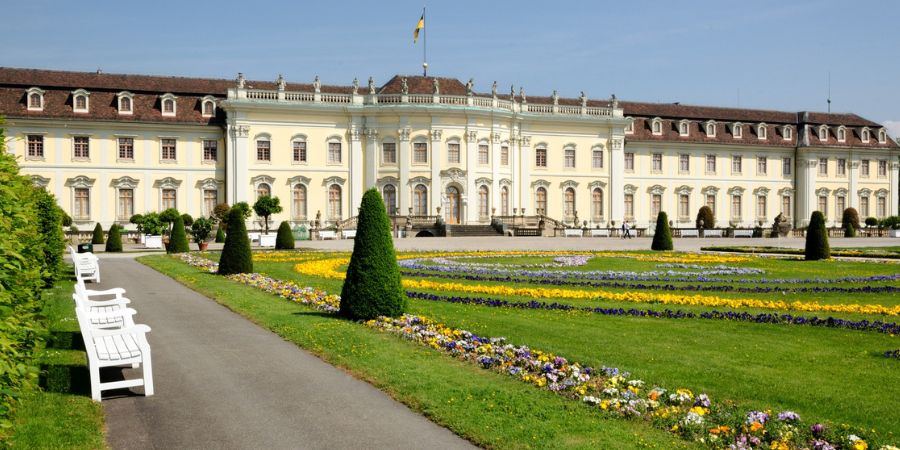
[(285, 239), (662, 237), (114, 243), (178, 242), (372, 287), (850, 222), (817, 238), (236, 256), (98, 235), (709, 220), (50, 222)]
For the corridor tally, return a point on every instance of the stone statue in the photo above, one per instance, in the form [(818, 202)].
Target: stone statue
[(437, 87), (583, 99), (494, 90), (615, 101), (522, 94), (317, 85), (280, 82), (241, 81), (469, 85), (404, 88), (371, 86), (555, 98), (512, 93), (355, 85)]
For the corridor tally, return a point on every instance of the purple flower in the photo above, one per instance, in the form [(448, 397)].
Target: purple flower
[(757, 416), (817, 429), (788, 416)]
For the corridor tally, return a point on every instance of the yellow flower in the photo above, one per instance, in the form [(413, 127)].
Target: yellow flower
[(860, 444), (699, 410)]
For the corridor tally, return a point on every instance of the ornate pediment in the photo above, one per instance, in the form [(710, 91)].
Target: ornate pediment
[(656, 189), (80, 181), (419, 180), (540, 183), (209, 184), (334, 180), (167, 183), (568, 184), (299, 179), (39, 181), (125, 182), (684, 190)]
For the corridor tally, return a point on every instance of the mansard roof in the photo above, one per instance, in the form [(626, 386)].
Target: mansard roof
[(423, 85)]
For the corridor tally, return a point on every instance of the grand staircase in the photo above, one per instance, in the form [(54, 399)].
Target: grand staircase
[(471, 230)]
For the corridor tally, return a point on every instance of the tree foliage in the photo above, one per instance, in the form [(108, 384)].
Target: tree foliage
[(201, 229), (850, 222), (285, 239), (372, 287), (265, 207), (236, 256), (50, 225), (706, 215), (220, 233), (817, 238), (114, 242)]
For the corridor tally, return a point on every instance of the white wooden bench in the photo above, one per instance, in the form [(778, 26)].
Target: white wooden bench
[(153, 241), (87, 266), (598, 232), (327, 234), (712, 233), (267, 240), (253, 237), (97, 302), (743, 233), (349, 234), (573, 232), (116, 347), (690, 233)]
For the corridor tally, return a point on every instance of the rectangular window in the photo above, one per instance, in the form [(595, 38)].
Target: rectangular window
[(299, 151), (823, 166), (210, 150), (786, 205), (882, 168), (35, 146), (126, 148), (540, 157), (168, 149), (169, 199), (570, 158), (504, 156), (785, 166), (210, 200), (762, 165), (482, 154), (711, 202), (82, 149), (597, 158), (710, 163), (737, 164), (864, 168), (420, 153), (389, 153), (655, 205), (761, 207), (841, 167), (736, 207), (881, 207), (334, 152), (629, 161), (82, 207), (684, 163), (863, 207), (629, 206), (453, 153), (657, 165), (840, 204), (823, 205), (684, 206), (263, 151), (126, 204)]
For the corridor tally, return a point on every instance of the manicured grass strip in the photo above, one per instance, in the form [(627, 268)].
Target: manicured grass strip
[(867, 252), (489, 409)]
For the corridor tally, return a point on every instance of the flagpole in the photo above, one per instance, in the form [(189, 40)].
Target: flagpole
[(424, 44)]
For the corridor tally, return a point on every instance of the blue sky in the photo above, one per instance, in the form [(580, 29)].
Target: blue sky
[(761, 54)]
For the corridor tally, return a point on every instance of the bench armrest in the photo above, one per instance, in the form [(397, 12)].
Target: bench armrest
[(100, 303), (118, 292), (125, 312), (136, 329)]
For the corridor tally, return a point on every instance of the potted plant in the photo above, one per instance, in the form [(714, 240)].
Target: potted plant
[(138, 220), (201, 229), (152, 228)]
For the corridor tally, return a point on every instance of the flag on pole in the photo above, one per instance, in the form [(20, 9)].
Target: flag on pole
[(420, 25)]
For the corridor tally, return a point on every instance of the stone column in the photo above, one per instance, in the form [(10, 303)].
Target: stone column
[(525, 177), (371, 157), (495, 171), (894, 167), (616, 179), (514, 169), (854, 181), (435, 161), (471, 213), (236, 178), (403, 162), (806, 188), (356, 169)]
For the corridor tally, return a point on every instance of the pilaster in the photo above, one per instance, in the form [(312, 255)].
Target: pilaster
[(525, 176), (514, 149), (403, 161), (435, 161), (495, 171), (356, 167), (371, 157), (617, 179), (894, 167), (806, 188), (236, 177), (853, 176), (471, 213)]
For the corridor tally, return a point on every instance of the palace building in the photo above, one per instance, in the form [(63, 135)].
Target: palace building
[(110, 146)]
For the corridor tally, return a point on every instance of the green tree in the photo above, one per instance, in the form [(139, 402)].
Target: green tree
[(201, 229), (50, 228), (265, 207), (114, 243), (152, 224), (372, 287), (137, 220), (285, 239), (178, 239), (817, 238), (187, 219), (662, 237), (236, 256), (706, 215), (168, 217), (220, 212), (98, 235), (850, 222)]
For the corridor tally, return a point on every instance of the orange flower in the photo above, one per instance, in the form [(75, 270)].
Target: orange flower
[(756, 426)]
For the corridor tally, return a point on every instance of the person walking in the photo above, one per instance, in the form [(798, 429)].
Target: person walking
[(626, 231)]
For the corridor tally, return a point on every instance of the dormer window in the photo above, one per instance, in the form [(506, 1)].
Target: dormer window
[(823, 133), (80, 101), (762, 132), (710, 129), (126, 102), (629, 127), (683, 128), (737, 130), (787, 132), (167, 105), (864, 135), (882, 136), (841, 134), (208, 106), (656, 126), (35, 99)]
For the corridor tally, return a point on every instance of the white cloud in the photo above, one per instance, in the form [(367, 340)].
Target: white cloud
[(893, 128)]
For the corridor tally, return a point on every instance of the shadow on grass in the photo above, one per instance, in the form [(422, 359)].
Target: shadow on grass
[(321, 314)]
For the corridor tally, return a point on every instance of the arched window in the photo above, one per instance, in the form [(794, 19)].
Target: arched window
[(334, 202), (299, 202), (125, 105), (263, 190), (420, 200), (209, 108), (597, 204), (657, 126), (711, 129), (841, 134), (864, 135), (390, 199), (169, 106), (540, 200), (504, 201), (35, 101), (570, 202), (483, 202), (81, 103), (762, 131)]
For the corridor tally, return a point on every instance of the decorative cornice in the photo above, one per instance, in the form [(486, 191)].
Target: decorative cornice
[(471, 136), (262, 179), (629, 189), (596, 184), (568, 184), (736, 190), (419, 180), (483, 181), (371, 133), (209, 184), (167, 183), (80, 181), (495, 137), (540, 183), (125, 182), (240, 131), (684, 189), (299, 179), (709, 190), (39, 181), (334, 180), (656, 189), (761, 191)]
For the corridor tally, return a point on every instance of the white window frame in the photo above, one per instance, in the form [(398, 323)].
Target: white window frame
[(842, 134), (714, 164), (421, 142), (823, 133), (787, 132), (567, 163), (78, 94), (483, 151), (762, 132), (295, 140), (711, 129), (864, 135), (119, 142), (629, 158), (597, 150), (162, 158), (822, 167), (841, 167), (203, 150), (882, 136), (629, 127), (40, 93), (865, 168), (684, 128), (125, 95), (737, 130), (737, 161), (329, 155), (537, 161), (163, 99), (653, 161), (458, 159), (208, 100), (763, 162), (787, 169), (75, 157), (684, 163), (656, 126)]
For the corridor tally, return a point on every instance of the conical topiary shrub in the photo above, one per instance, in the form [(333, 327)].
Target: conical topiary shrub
[(114, 242), (817, 238), (220, 234), (662, 237), (850, 222), (178, 242), (285, 239), (372, 287), (98, 235), (236, 257)]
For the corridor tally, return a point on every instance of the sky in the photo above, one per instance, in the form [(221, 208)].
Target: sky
[(762, 54)]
